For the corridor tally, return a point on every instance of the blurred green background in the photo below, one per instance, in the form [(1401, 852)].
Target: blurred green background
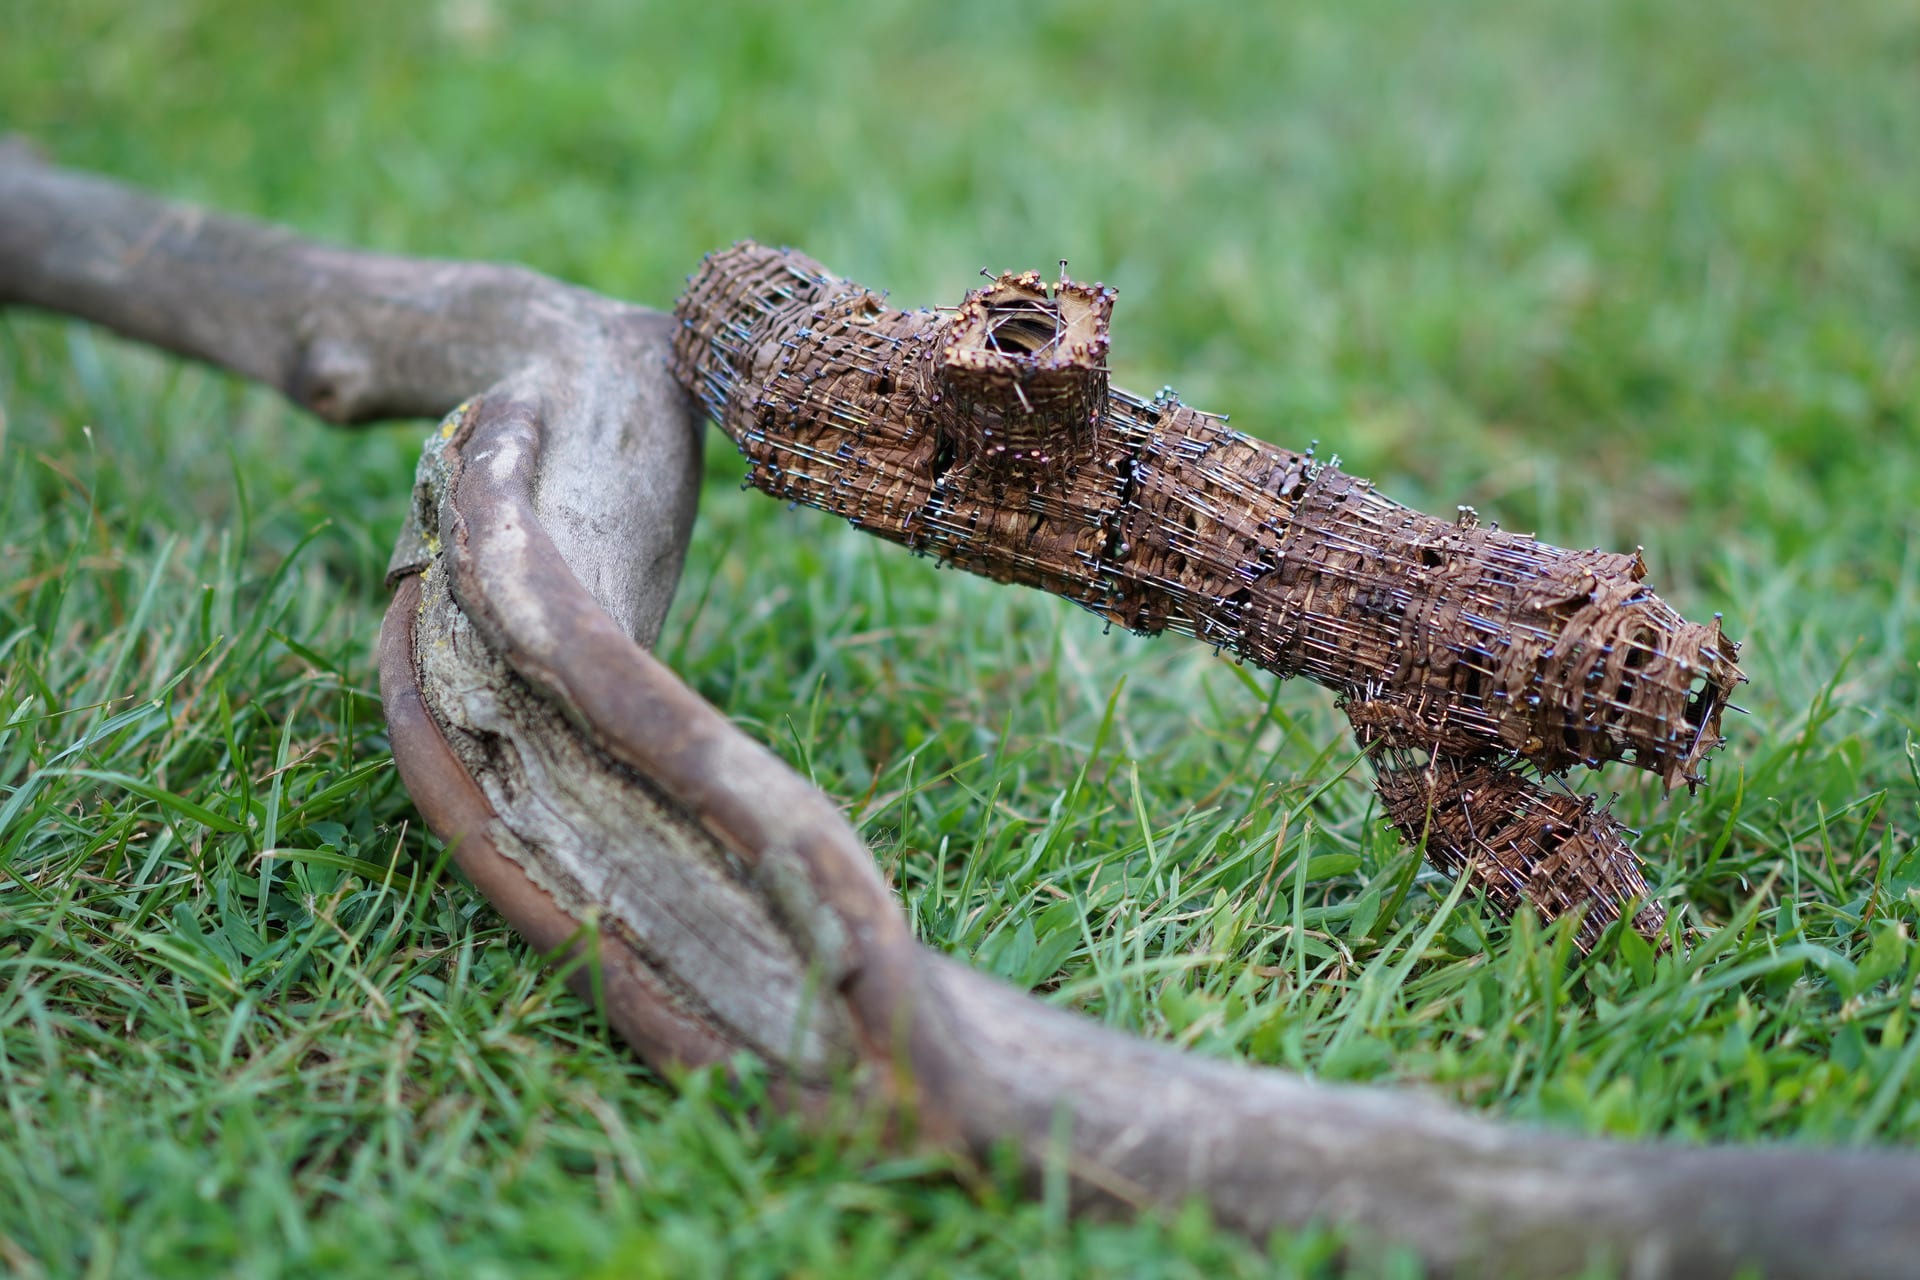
[(1621, 273)]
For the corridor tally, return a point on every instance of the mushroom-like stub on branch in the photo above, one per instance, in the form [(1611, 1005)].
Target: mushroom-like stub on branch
[(720, 904)]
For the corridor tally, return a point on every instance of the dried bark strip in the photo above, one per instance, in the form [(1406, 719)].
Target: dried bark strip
[(990, 438)]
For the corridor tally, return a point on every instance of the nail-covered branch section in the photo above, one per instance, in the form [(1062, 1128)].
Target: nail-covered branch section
[(988, 436)]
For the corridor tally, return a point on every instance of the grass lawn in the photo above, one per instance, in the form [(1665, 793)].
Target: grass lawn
[(1634, 273)]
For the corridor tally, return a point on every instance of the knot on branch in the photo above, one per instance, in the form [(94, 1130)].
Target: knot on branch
[(331, 377), (1020, 375)]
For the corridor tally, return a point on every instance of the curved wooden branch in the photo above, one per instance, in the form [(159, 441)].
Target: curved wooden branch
[(723, 904), (360, 336)]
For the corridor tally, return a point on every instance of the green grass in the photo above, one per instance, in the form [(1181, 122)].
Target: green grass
[(1621, 273)]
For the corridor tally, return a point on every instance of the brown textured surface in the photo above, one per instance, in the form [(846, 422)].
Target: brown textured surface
[(989, 438), (1524, 841)]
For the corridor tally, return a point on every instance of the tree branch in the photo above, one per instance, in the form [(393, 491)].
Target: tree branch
[(725, 905)]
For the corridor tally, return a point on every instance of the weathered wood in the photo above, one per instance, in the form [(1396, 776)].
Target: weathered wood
[(356, 337), (610, 812)]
